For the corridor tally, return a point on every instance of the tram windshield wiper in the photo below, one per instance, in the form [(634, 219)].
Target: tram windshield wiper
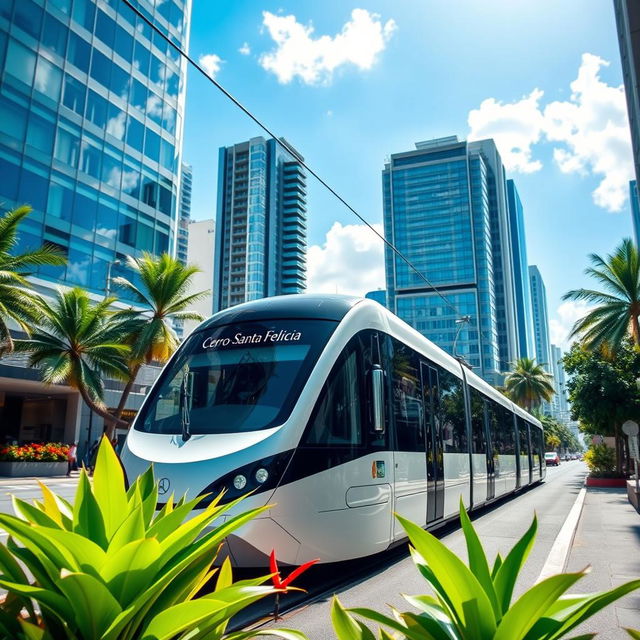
[(185, 397)]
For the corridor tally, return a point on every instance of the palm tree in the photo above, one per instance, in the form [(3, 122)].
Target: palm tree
[(78, 341), (17, 301), (618, 303), (163, 296), (528, 384)]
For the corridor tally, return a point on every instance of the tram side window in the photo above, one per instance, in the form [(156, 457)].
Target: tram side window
[(452, 413), (536, 453), (407, 398), (507, 433), (338, 416), (478, 438), (494, 415), (523, 437)]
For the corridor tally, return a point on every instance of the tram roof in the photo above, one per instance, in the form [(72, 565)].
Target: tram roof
[(302, 305)]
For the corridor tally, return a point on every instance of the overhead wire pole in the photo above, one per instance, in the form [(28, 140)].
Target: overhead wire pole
[(267, 130)]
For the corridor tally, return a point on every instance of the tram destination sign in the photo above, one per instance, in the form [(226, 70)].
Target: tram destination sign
[(267, 338)]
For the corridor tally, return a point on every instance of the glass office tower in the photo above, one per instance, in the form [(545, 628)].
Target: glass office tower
[(540, 319), (261, 229), (91, 111), (445, 208), (524, 312)]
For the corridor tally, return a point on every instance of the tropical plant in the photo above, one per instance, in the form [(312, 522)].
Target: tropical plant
[(617, 303), (557, 433), (17, 301), (603, 390), (109, 567), (601, 460), (76, 342), (163, 297), (552, 441), (528, 384), (474, 602)]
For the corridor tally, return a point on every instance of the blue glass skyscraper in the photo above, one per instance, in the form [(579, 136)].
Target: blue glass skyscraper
[(91, 113), (524, 312), (261, 228), (445, 208), (635, 211), (540, 318), (91, 109)]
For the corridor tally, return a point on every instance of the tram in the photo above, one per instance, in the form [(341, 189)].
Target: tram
[(338, 414)]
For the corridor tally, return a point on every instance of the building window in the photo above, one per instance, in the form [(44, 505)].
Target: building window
[(74, 94), (54, 35), (96, 109), (28, 16), (40, 134), (21, 62), (79, 52)]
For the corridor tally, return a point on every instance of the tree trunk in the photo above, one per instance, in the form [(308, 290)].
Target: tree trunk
[(127, 390), (6, 344), (635, 329), (112, 421)]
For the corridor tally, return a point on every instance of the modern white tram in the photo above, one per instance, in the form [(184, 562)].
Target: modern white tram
[(339, 414)]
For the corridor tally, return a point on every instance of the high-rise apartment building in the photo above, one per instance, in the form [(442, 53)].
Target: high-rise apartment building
[(559, 404), (445, 208), (201, 254), (379, 295), (91, 112), (261, 227), (540, 319), (522, 291), (184, 212), (628, 25)]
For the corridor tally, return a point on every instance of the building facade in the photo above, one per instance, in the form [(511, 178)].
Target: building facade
[(628, 25), (540, 319), (635, 210), (522, 291), (201, 254), (379, 295), (560, 403), (261, 228), (184, 212), (91, 113), (445, 208)]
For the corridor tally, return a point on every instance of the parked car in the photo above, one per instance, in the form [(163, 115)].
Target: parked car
[(552, 459)]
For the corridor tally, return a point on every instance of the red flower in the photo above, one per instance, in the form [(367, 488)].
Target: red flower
[(283, 584)]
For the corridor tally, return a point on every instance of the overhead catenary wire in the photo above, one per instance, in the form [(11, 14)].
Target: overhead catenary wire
[(279, 141)]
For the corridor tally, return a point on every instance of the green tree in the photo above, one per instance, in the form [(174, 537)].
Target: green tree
[(163, 297), (528, 384), (17, 301), (603, 391), (76, 342), (558, 434), (618, 300)]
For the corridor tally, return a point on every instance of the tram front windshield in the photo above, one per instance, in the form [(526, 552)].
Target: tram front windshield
[(235, 378)]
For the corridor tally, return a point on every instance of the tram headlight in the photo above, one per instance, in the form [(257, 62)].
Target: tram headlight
[(240, 482), (256, 477)]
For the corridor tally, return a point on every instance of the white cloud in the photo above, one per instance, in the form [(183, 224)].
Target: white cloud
[(329, 113), (314, 59), (515, 127), (245, 49), (567, 314), (352, 249), (590, 132), (594, 128), (211, 63)]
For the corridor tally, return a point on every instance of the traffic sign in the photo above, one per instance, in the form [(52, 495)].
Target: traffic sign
[(630, 428), (633, 447)]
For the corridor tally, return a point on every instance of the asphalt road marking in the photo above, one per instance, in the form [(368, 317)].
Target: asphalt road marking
[(561, 547)]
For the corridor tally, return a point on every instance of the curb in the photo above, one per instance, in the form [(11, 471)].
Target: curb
[(561, 547)]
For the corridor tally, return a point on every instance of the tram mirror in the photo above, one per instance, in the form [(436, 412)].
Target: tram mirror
[(377, 382)]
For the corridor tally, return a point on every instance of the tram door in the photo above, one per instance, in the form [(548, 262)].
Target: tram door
[(434, 448)]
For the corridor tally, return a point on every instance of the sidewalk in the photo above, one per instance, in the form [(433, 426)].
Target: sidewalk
[(608, 539), (8, 481)]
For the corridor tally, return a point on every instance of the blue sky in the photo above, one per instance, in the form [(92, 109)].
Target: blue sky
[(348, 83)]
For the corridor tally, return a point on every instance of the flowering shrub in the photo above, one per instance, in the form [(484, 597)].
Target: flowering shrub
[(49, 452)]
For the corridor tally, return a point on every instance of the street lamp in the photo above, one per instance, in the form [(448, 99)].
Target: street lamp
[(461, 322), (107, 286)]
